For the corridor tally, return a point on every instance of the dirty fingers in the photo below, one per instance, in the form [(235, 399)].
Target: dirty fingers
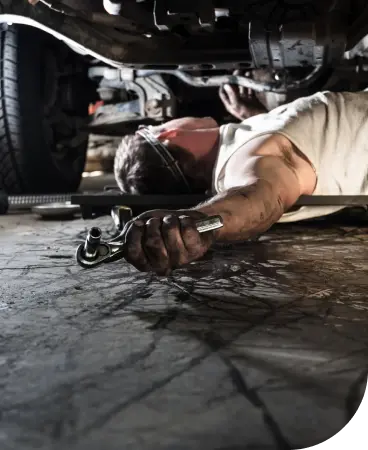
[(161, 244)]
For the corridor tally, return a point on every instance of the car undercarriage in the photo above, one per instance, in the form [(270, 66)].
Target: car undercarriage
[(215, 37), (144, 62)]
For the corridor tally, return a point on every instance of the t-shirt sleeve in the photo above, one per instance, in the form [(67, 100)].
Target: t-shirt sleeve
[(307, 123)]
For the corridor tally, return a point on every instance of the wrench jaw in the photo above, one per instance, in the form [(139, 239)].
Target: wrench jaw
[(104, 253), (100, 255)]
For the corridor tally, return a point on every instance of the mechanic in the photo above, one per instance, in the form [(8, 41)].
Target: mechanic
[(257, 170)]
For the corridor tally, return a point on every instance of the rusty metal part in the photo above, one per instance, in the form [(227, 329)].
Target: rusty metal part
[(94, 252), (298, 44)]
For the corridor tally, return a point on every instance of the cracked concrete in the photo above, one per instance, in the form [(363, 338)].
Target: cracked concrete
[(259, 346)]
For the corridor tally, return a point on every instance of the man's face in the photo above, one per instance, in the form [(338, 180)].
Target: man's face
[(192, 142), (197, 136)]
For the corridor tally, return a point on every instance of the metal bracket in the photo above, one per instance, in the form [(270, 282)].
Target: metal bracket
[(155, 98)]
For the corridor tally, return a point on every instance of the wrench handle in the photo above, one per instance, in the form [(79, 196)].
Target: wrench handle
[(209, 224)]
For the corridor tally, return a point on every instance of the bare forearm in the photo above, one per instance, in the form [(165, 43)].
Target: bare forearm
[(246, 211)]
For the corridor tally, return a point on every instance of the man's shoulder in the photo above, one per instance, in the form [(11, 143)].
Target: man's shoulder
[(338, 98), (322, 99)]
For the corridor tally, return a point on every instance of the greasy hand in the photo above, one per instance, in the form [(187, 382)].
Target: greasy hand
[(240, 102), (161, 240)]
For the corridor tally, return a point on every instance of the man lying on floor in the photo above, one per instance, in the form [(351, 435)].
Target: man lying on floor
[(256, 169)]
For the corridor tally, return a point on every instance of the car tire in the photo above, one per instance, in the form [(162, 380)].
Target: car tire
[(43, 110)]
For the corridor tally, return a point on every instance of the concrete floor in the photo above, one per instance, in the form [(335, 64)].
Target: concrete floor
[(260, 346)]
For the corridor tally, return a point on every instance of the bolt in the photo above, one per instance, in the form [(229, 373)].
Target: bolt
[(92, 243)]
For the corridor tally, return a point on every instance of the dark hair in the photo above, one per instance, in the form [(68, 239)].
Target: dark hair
[(140, 170)]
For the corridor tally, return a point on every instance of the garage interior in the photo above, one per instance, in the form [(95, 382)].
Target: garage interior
[(261, 345)]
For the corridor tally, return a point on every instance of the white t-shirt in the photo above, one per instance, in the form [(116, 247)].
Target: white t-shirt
[(331, 129)]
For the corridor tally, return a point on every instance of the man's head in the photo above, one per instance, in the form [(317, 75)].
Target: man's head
[(141, 168)]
